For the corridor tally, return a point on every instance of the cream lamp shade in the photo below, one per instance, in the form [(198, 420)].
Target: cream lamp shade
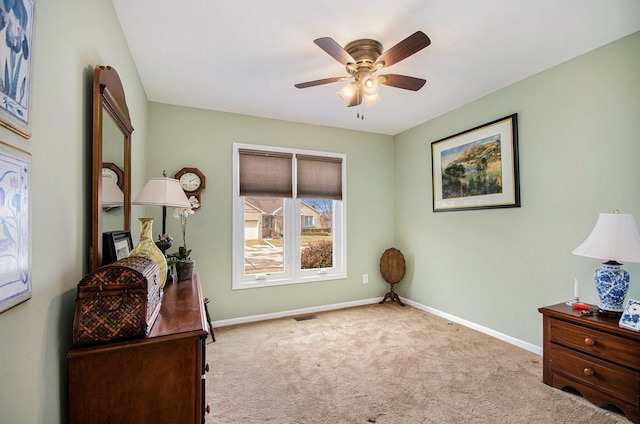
[(162, 191), (615, 237), (111, 194), (165, 192)]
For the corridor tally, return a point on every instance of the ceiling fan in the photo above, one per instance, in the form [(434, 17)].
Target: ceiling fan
[(362, 59)]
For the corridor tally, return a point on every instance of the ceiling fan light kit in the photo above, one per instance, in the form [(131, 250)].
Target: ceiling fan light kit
[(370, 83), (372, 99), (362, 59), (347, 92)]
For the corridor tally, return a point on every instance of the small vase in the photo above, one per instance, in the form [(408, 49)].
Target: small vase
[(146, 248), (184, 269)]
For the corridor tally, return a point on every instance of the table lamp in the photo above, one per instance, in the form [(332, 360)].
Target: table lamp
[(614, 238), (112, 196), (163, 191)]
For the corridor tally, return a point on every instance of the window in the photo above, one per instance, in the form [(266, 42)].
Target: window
[(289, 216), (308, 221), (267, 221)]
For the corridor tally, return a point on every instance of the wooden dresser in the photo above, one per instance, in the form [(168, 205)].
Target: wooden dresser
[(157, 379), (593, 355)]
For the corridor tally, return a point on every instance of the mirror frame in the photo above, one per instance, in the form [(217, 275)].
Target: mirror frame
[(108, 96)]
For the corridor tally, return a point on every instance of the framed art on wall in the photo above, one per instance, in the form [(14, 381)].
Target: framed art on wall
[(15, 226), (16, 28), (477, 168)]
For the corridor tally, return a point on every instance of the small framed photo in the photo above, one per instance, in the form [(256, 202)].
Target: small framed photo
[(115, 246), (477, 168), (631, 315)]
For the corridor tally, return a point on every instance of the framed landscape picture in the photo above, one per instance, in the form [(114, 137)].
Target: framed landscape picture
[(477, 168), (16, 49), (15, 226)]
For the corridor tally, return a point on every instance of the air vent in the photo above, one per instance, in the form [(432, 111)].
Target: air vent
[(306, 317)]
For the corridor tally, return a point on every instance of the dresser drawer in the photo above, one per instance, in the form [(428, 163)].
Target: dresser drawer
[(615, 381), (596, 343)]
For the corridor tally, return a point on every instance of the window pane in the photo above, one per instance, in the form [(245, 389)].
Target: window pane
[(316, 237), (263, 235)]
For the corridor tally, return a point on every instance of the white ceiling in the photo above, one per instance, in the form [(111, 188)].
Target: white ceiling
[(245, 56)]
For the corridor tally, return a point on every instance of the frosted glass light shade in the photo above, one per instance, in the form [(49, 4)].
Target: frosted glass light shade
[(615, 237), (162, 191), (372, 99), (111, 194), (370, 84), (347, 93)]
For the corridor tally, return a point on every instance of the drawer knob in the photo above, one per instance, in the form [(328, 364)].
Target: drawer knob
[(588, 371), (589, 342), (207, 409), (206, 367)]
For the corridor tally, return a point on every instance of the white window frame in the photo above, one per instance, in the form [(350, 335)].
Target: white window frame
[(292, 230)]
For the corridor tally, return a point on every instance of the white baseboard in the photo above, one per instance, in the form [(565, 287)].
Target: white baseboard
[(511, 340), (294, 312)]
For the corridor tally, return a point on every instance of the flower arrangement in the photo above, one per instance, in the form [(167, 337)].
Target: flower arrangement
[(182, 214)]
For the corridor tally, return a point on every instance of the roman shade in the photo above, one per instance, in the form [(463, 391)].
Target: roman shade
[(265, 173), (270, 174), (319, 177)]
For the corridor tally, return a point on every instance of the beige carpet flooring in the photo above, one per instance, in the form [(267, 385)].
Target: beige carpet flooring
[(380, 364)]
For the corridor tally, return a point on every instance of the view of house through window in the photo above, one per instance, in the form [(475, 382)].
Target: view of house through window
[(264, 233), (316, 237), (289, 211)]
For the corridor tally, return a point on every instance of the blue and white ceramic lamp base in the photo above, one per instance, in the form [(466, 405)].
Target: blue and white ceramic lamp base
[(612, 283)]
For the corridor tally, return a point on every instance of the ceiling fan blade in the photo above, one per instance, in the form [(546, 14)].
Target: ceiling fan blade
[(334, 50), (402, 81), (320, 82), (410, 45)]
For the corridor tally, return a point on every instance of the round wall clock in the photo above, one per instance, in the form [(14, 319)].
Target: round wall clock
[(192, 181), (114, 172)]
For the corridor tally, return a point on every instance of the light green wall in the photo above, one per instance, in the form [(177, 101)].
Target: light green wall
[(578, 154), (203, 139), (579, 126), (71, 38)]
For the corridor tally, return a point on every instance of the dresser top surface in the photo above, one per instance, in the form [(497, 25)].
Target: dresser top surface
[(182, 309), (597, 320)]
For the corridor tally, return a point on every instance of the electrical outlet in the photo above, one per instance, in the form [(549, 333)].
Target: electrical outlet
[(365, 278)]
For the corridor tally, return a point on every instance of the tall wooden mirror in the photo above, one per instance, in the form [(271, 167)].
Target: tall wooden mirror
[(111, 153)]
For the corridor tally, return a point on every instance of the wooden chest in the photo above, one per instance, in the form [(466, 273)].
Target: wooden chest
[(118, 301), (157, 379)]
